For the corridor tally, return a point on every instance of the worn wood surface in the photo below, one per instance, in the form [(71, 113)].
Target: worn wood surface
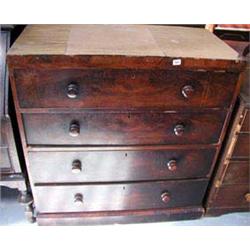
[(124, 89), (123, 128), (238, 172), (128, 40), (231, 182), (117, 197), (108, 166), (242, 147), (127, 116), (120, 217)]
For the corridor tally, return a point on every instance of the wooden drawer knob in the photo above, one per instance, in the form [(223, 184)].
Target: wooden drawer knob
[(247, 197), (76, 166), (179, 129), (78, 199), (72, 90), (187, 91), (74, 128), (165, 197), (172, 165)]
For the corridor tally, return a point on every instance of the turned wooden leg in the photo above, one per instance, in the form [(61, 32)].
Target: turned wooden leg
[(26, 200)]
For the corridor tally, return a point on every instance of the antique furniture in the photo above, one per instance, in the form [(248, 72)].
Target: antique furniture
[(121, 123), (11, 174), (230, 189)]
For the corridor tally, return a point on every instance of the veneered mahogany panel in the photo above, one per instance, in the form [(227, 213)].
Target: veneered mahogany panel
[(123, 89), (238, 172), (123, 128), (232, 196), (116, 197), (108, 166), (242, 147)]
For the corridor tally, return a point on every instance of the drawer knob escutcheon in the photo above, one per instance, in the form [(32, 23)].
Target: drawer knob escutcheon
[(78, 199), (74, 129), (187, 91), (247, 197), (165, 197), (179, 129), (76, 166), (172, 165), (72, 90)]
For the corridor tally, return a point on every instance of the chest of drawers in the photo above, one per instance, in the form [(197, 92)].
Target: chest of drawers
[(230, 191), (121, 123)]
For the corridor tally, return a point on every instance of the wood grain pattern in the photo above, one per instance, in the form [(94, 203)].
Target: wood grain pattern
[(126, 117), (108, 166), (238, 172), (229, 196), (124, 89), (246, 123), (119, 217), (123, 128), (242, 147), (116, 197)]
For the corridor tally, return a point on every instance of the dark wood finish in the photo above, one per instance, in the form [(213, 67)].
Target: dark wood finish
[(238, 172), (242, 148), (107, 166), (112, 104), (230, 196), (246, 123), (120, 217), (116, 197), (124, 89), (230, 188), (124, 128)]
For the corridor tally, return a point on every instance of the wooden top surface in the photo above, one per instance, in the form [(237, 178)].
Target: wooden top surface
[(125, 40)]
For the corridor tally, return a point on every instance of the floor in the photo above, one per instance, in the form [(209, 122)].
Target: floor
[(12, 214)]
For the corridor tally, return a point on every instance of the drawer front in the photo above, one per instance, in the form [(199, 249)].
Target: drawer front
[(242, 148), (123, 128), (232, 196), (238, 172), (111, 166), (111, 197), (5, 164), (122, 89)]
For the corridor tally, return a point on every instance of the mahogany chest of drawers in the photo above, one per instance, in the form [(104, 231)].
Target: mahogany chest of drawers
[(121, 123)]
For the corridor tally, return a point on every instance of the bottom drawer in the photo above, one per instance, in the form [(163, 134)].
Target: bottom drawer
[(115, 197), (232, 196)]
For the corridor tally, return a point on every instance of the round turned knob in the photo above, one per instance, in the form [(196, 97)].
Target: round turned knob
[(172, 165), (187, 91), (78, 199), (165, 197), (247, 197), (179, 129), (76, 167), (72, 90), (74, 128)]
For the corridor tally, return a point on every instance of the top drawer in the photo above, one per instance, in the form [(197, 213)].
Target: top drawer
[(123, 89)]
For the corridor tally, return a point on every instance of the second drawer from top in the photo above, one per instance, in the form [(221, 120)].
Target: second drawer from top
[(121, 128)]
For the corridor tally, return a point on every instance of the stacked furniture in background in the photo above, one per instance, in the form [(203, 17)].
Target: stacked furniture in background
[(230, 190), (121, 123), (11, 174)]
